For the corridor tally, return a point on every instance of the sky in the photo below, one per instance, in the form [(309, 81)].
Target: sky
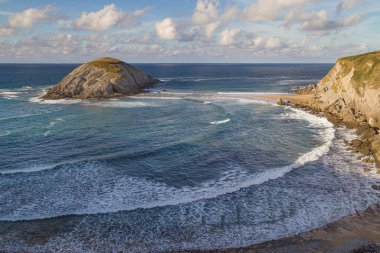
[(187, 31)]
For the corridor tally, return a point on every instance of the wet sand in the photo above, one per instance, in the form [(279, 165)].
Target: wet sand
[(355, 233)]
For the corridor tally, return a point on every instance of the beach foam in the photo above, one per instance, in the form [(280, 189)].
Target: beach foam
[(121, 104), (29, 114), (218, 122), (6, 133), (130, 193), (9, 94)]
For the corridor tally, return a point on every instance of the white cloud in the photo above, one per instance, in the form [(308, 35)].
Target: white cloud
[(210, 29), (230, 14), (292, 12), (131, 18), (6, 31), (29, 17), (348, 4), (319, 21), (207, 19), (268, 43), (205, 11), (106, 18), (270, 9), (138, 38), (100, 20), (166, 29), (228, 36)]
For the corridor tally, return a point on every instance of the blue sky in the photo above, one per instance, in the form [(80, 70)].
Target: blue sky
[(257, 31)]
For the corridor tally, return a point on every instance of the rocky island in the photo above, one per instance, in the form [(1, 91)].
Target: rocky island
[(101, 78)]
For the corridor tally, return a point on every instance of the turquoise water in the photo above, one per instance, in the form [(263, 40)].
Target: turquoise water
[(191, 166)]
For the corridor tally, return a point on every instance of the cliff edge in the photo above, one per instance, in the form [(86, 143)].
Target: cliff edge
[(353, 87), (350, 94), (101, 78)]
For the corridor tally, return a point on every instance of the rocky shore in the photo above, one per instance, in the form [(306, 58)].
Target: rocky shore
[(348, 95), (367, 143)]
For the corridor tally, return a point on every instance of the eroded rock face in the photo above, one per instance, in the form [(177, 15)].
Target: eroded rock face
[(101, 78), (351, 93), (352, 87)]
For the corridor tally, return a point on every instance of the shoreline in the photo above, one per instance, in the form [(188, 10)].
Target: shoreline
[(355, 233)]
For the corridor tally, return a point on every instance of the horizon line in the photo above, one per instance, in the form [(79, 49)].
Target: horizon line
[(220, 63)]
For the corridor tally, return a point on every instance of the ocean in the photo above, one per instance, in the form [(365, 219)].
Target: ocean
[(189, 165)]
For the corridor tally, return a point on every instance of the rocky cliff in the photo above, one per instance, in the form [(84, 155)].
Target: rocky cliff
[(101, 78), (350, 93), (353, 87)]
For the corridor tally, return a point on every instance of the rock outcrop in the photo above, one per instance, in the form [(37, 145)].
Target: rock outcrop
[(352, 87), (350, 93), (101, 78)]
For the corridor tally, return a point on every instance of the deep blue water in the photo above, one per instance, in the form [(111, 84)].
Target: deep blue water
[(191, 164)]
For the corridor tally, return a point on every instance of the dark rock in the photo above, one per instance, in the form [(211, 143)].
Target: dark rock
[(356, 143), (280, 101), (364, 151)]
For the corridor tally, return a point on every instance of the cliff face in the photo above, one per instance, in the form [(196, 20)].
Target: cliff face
[(101, 78), (350, 94), (352, 88)]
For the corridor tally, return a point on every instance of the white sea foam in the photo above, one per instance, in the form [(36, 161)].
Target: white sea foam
[(8, 94), (121, 104), (28, 114), (299, 81), (26, 88), (199, 79), (245, 101), (252, 93), (56, 101), (6, 133), (60, 101), (129, 193), (29, 169), (218, 122), (177, 93), (4, 92), (51, 125), (161, 97)]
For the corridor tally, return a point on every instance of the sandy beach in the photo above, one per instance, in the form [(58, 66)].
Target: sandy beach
[(355, 233)]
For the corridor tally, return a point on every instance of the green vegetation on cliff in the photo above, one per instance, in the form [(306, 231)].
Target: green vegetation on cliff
[(365, 67)]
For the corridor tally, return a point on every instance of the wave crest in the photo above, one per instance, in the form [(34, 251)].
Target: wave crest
[(218, 122)]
